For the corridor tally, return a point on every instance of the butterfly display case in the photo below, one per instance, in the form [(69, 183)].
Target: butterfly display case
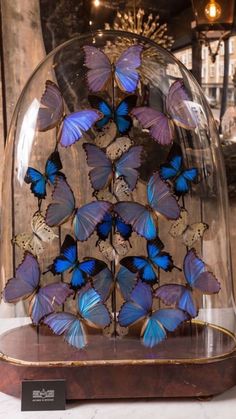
[(115, 254)]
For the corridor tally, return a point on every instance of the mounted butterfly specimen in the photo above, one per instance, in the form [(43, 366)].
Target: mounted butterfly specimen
[(52, 114), (118, 248), (143, 219), (41, 233), (121, 192), (103, 283), (101, 70), (119, 114), (38, 180), (146, 266), (85, 219), (155, 323), (105, 169), (179, 111), (111, 222), (197, 278), (26, 284), (175, 171), (189, 233), (91, 312), (68, 260), (126, 281)]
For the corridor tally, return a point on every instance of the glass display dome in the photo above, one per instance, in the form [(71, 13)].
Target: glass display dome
[(115, 249)]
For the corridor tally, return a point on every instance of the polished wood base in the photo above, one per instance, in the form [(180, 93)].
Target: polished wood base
[(199, 361)]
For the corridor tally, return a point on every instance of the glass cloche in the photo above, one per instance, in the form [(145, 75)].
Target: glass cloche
[(114, 234)]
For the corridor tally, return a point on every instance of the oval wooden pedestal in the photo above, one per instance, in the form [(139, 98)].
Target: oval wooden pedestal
[(198, 362)]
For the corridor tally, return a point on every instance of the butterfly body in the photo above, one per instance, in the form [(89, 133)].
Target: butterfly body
[(155, 323), (146, 266), (68, 261), (197, 278)]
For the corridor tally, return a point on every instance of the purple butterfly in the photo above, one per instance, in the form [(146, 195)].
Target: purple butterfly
[(85, 218), (179, 111), (101, 69), (197, 277), (26, 284), (51, 114), (103, 168), (143, 218)]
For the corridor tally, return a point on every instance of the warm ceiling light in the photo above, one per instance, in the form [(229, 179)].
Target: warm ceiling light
[(96, 3), (212, 11)]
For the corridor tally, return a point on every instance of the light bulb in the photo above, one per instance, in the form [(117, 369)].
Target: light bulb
[(96, 3), (212, 11)]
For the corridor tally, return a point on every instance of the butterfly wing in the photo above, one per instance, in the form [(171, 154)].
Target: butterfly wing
[(47, 298), (53, 166), (104, 228), (42, 232), (172, 168), (118, 147), (179, 226), (138, 307), (182, 182), (51, 109), (126, 74), (160, 259), (193, 267), (142, 266), (75, 124), (87, 218), (29, 242), (170, 293), (152, 332), (87, 268), (63, 204), (70, 326), (125, 230), (177, 105), (103, 107), (161, 199), (25, 282), (106, 136), (103, 283), (128, 164), (68, 256), (122, 119), (101, 173), (159, 126), (37, 182), (193, 233), (126, 281), (139, 217), (99, 68), (121, 190), (92, 309)]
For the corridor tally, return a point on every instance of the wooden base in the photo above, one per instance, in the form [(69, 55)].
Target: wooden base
[(199, 361)]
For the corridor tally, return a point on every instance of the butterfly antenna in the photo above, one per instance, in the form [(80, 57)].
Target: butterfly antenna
[(176, 267)]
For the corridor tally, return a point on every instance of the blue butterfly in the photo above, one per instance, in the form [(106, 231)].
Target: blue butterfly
[(85, 218), (143, 218), (126, 281), (174, 170), (38, 180), (146, 266), (120, 115), (68, 259), (91, 311), (103, 283), (111, 221), (52, 113), (104, 169), (155, 322)]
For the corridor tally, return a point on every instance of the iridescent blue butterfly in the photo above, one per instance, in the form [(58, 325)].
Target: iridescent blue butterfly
[(26, 284), (124, 70), (126, 281), (68, 260), (120, 115), (155, 322), (91, 311), (143, 219), (146, 266), (104, 169), (103, 283), (112, 221), (51, 114), (38, 180), (85, 218), (197, 277), (175, 171)]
